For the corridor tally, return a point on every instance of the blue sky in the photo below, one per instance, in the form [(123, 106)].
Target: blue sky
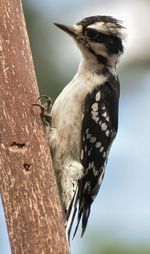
[(4, 241)]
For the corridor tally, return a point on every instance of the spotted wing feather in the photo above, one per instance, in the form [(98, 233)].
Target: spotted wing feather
[(99, 127)]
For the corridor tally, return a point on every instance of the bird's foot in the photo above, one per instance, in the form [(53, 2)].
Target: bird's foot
[(45, 109)]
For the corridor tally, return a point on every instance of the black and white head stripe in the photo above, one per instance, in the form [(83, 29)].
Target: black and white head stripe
[(99, 127), (103, 36), (112, 43), (103, 23)]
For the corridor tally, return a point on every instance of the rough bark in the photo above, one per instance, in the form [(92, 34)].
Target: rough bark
[(27, 182)]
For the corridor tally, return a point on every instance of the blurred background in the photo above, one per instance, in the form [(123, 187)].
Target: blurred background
[(120, 216)]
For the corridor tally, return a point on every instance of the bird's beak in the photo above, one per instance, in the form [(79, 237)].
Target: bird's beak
[(68, 29)]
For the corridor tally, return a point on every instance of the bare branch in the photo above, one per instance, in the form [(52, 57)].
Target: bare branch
[(27, 181)]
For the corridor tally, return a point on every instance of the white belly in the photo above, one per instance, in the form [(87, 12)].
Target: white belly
[(66, 121)]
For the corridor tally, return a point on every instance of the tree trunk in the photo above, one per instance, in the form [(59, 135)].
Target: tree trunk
[(27, 182)]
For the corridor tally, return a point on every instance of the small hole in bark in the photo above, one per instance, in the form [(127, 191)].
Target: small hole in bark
[(27, 167), (16, 147), (19, 145)]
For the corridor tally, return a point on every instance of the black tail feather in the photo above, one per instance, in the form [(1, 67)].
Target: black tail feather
[(79, 218), (85, 217), (84, 207), (71, 214)]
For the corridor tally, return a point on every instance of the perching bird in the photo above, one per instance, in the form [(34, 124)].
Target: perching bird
[(84, 117)]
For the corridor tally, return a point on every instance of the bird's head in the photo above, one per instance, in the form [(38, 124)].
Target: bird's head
[(100, 38)]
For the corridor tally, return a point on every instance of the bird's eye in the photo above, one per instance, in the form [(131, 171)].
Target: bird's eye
[(91, 33)]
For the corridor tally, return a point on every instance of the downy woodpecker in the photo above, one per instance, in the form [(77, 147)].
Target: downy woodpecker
[(84, 117)]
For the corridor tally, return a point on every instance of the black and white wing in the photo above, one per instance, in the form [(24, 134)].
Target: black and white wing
[(99, 127)]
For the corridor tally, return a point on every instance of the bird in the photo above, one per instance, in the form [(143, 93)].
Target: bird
[(84, 117)]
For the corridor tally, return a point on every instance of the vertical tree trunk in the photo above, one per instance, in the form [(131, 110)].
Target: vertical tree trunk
[(27, 182)]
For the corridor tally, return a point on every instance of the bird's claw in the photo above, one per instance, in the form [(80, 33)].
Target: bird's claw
[(45, 109)]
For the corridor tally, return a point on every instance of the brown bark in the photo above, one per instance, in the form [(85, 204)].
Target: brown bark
[(27, 182)]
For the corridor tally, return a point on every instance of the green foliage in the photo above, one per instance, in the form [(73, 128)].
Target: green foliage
[(112, 247)]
